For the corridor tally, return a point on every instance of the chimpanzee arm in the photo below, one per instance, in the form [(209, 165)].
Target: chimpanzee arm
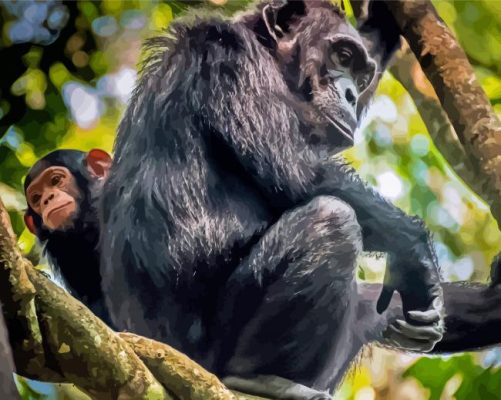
[(247, 115), (387, 228), (472, 321), (473, 317)]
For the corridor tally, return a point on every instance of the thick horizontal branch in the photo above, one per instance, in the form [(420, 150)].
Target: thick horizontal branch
[(185, 378), (55, 338)]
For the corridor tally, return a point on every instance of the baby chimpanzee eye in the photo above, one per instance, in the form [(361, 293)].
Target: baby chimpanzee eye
[(56, 179), (35, 199)]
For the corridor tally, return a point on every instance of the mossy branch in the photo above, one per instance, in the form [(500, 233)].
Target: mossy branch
[(55, 338)]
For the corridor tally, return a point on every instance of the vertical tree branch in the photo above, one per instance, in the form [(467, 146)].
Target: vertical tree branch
[(408, 72), (17, 297), (8, 390), (448, 69)]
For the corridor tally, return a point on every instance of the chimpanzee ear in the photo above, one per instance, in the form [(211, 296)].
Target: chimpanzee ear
[(98, 163), (279, 14), (30, 224)]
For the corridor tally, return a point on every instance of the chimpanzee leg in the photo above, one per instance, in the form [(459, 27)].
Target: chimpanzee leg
[(284, 307)]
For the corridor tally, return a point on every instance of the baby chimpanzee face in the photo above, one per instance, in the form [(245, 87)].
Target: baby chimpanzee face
[(54, 196)]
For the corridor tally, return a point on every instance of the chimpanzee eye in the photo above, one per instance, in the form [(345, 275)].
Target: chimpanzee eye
[(56, 179), (35, 199), (362, 82), (343, 56)]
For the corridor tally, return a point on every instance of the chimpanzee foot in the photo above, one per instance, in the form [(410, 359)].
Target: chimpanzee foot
[(272, 386)]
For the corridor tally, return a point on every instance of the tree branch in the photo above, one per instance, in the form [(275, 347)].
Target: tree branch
[(477, 155), (408, 72), (7, 388), (55, 338), (185, 378), (448, 69)]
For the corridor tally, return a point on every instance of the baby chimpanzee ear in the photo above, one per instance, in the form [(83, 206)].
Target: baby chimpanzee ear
[(30, 224), (98, 163), (279, 14)]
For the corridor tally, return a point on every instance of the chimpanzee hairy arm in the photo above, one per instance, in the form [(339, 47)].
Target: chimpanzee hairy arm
[(473, 317), (260, 131)]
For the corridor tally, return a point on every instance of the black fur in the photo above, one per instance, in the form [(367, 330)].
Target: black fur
[(74, 252), (217, 203)]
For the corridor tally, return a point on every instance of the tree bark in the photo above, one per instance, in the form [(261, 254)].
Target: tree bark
[(408, 72), (448, 69), (463, 104), (8, 390), (55, 338)]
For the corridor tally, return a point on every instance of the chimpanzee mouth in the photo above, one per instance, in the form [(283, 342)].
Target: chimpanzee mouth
[(342, 128), (59, 208)]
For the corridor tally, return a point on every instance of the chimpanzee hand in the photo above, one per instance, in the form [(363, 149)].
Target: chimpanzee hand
[(422, 303)]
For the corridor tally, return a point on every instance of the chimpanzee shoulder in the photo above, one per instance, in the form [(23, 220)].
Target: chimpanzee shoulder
[(193, 36)]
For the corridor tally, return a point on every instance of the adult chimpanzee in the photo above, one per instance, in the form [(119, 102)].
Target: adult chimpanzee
[(61, 191), (228, 232)]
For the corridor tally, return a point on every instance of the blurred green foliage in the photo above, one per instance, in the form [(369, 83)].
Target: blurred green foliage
[(68, 69)]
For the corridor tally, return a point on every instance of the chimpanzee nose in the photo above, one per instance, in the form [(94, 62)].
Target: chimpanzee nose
[(348, 94), (46, 201), (350, 97)]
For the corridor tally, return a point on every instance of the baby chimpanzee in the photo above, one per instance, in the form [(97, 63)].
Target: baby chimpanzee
[(61, 191)]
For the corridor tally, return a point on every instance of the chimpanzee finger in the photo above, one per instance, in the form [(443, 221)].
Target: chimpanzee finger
[(430, 316), (397, 340), (384, 298), (418, 332), (407, 336)]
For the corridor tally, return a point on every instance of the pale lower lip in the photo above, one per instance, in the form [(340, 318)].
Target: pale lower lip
[(57, 209)]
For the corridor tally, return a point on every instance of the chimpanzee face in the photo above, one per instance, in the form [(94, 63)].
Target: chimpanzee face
[(325, 64), (59, 188), (54, 196)]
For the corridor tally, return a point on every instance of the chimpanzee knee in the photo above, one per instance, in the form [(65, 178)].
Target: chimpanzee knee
[(299, 275), (338, 216), (332, 230)]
